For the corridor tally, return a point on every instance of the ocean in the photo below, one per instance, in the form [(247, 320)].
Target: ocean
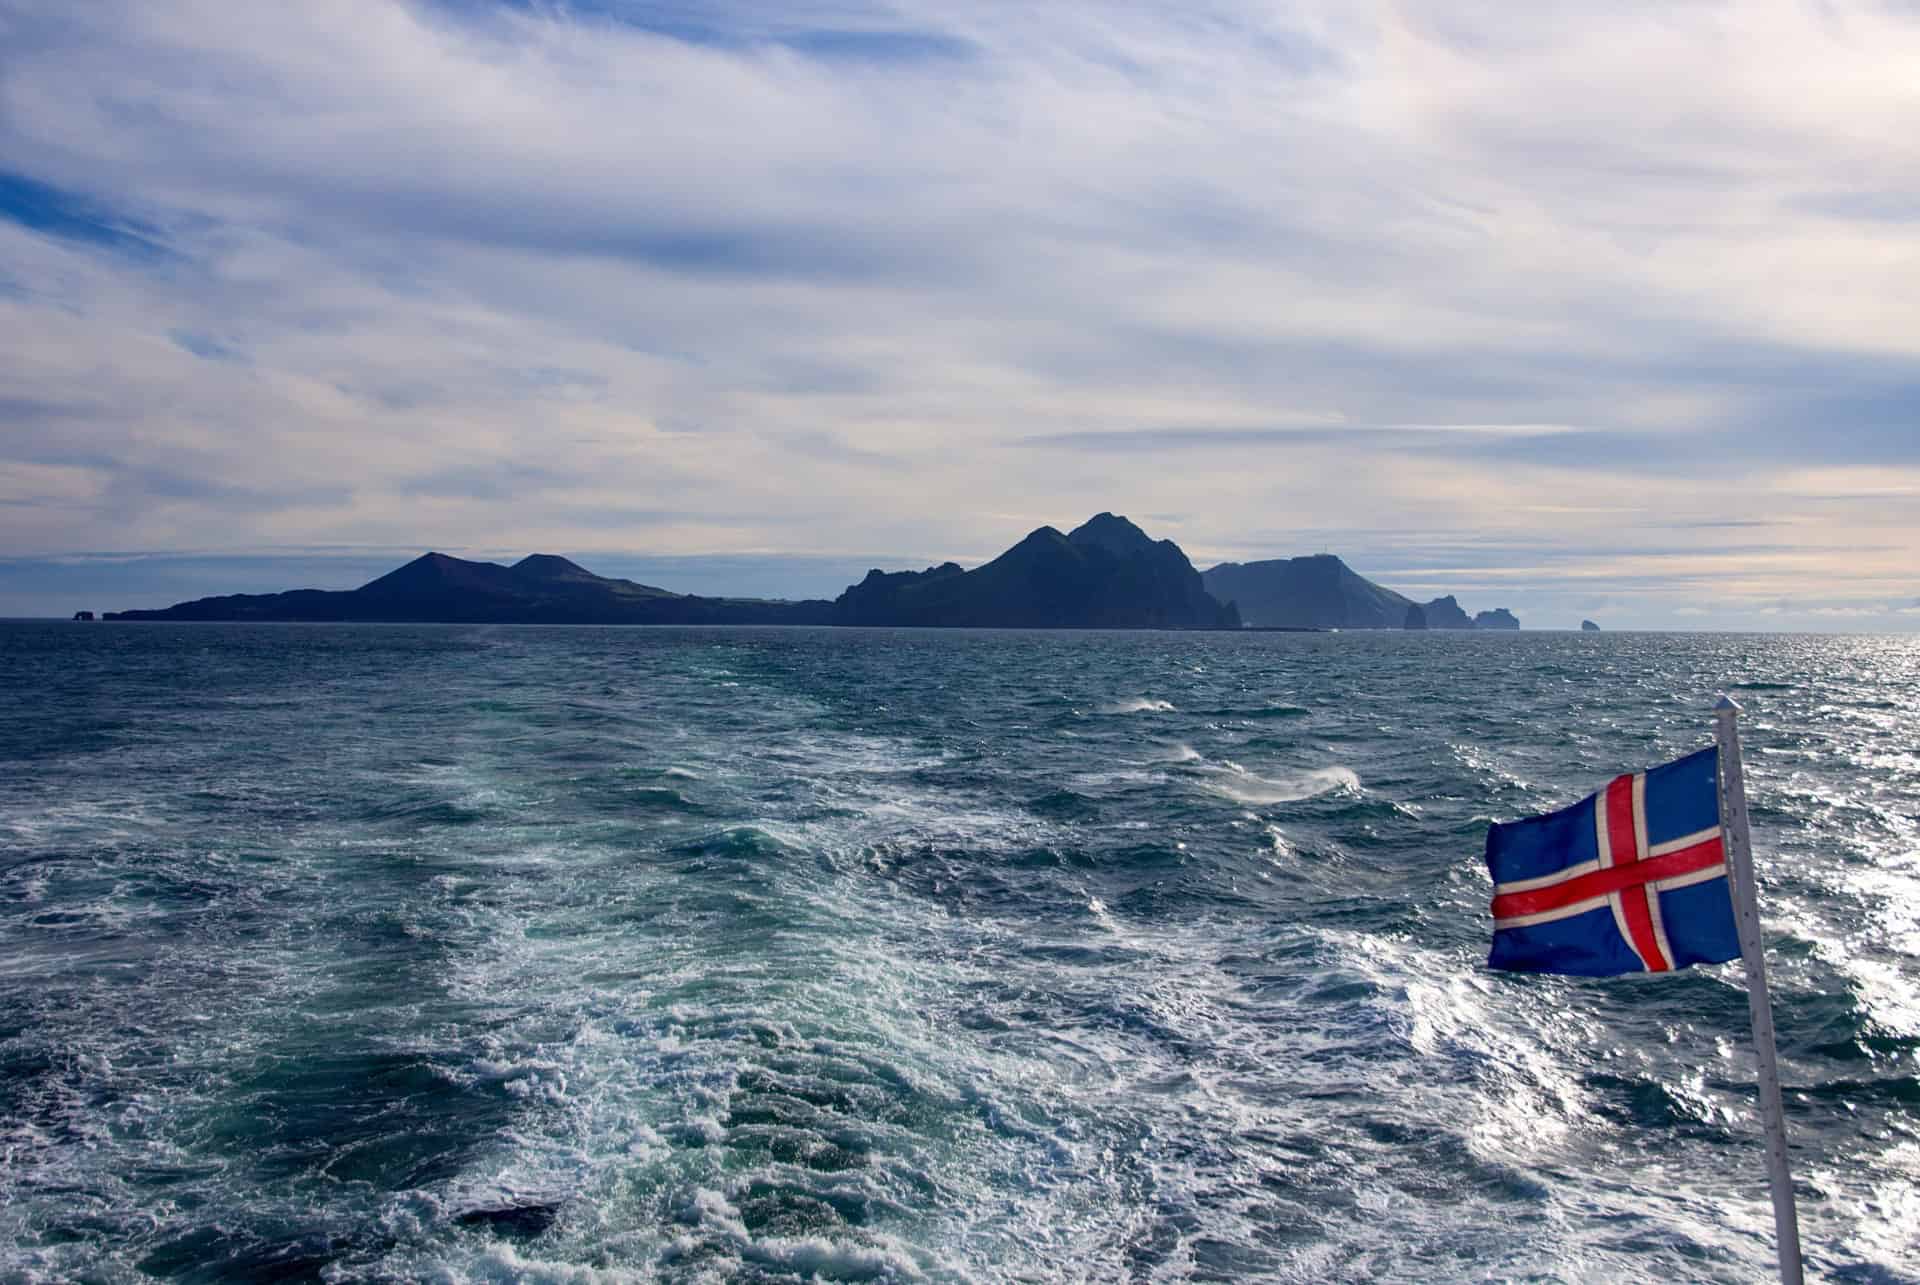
[(457, 953)]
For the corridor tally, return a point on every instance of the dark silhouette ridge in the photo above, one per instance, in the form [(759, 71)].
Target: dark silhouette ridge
[(547, 566), (1322, 592), (1588, 627), (1107, 575), (1446, 613), (1315, 592), (1116, 535), (541, 590)]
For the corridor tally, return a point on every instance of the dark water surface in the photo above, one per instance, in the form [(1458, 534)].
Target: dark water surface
[(461, 953)]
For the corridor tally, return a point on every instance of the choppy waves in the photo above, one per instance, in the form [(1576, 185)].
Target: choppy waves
[(583, 955)]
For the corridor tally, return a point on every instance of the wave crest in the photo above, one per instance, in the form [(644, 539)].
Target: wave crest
[(1138, 705), (1231, 781)]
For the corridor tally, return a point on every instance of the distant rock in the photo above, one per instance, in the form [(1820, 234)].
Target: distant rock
[(1315, 592), (1416, 617), (1498, 618), (83, 615), (1588, 627), (1446, 613), (1107, 574)]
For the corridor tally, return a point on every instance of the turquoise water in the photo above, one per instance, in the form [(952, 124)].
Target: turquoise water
[(463, 954)]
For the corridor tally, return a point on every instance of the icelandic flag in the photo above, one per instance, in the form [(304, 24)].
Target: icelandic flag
[(1631, 879)]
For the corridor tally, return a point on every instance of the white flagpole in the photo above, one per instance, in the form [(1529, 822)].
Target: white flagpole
[(1746, 912)]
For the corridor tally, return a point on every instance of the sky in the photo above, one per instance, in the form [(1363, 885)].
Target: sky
[(1604, 310)]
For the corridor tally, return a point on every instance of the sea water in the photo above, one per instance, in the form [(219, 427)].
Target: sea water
[(484, 954)]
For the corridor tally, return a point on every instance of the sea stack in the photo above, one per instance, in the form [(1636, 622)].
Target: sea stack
[(1588, 627), (1447, 613)]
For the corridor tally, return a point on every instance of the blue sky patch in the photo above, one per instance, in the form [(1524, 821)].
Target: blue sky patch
[(73, 217)]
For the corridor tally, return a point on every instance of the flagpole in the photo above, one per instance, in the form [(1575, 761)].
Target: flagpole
[(1746, 912)]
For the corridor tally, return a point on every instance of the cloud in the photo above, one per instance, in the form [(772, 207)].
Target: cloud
[(1400, 437), (825, 278)]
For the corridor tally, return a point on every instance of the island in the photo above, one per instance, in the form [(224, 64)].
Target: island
[(1106, 574), (1314, 592), (1322, 592), (1588, 627), (540, 589)]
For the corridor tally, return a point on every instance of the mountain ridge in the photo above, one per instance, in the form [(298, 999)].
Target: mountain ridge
[(1320, 591), (1106, 573), (541, 588)]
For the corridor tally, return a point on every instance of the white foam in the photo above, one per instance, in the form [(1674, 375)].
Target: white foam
[(503, 1264), (1099, 910), (1231, 781), (1123, 776), (708, 1208), (1138, 705), (818, 1257)]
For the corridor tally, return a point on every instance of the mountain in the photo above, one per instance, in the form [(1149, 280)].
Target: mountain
[(1316, 592), (877, 600), (1106, 574), (540, 589), (1322, 592)]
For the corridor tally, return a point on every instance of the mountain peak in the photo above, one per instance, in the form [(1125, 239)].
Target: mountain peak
[(550, 566), (1111, 532), (1106, 575), (1039, 537), (435, 570)]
